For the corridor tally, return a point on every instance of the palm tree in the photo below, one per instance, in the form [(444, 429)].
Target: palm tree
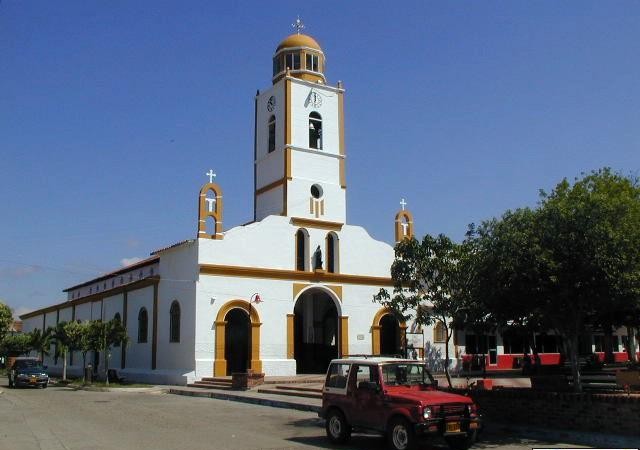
[(62, 343), (41, 341)]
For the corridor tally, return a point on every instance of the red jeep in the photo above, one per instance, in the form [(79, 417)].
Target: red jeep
[(396, 397)]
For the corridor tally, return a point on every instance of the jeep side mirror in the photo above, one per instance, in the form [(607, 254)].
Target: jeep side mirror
[(45, 367)]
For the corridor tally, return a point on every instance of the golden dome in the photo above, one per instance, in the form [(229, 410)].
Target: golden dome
[(298, 40)]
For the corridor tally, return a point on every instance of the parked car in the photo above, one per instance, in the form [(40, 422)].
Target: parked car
[(28, 372), (396, 397)]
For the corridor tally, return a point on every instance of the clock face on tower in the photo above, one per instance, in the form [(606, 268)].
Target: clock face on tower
[(271, 104), (315, 99)]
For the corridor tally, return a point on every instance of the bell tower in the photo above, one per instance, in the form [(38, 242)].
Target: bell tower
[(299, 154)]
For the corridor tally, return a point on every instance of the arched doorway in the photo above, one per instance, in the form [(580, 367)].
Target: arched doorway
[(390, 336), (388, 333), (316, 331), (236, 346)]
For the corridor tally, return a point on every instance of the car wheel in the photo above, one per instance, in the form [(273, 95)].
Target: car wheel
[(461, 442), (44, 386), (400, 435), (338, 430)]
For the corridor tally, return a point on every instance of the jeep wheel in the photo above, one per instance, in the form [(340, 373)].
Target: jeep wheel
[(338, 430), (400, 435), (461, 442)]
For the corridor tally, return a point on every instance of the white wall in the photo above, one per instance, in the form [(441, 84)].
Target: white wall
[(139, 354), (175, 361)]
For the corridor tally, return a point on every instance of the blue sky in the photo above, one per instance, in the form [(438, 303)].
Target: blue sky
[(112, 111)]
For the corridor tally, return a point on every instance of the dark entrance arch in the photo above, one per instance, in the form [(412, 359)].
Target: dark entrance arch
[(390, 336), (316, 332), (236, 345)]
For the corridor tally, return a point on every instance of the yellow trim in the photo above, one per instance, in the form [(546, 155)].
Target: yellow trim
[(287, 163), (376, 327), (270, 186), (293, 275), (344, 336), (406, 215), (290, 336), (311, 223), (204, 214), (298, 287), (220, 362)]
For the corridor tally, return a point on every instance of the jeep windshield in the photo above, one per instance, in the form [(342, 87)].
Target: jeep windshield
[(406, 374)]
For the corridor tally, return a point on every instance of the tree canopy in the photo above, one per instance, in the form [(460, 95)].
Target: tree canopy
[(6, 319)]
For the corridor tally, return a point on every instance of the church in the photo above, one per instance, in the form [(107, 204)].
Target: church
[(283, 294)]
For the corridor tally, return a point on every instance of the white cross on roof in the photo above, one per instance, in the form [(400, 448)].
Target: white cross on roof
[(211, 175), (403, 203)]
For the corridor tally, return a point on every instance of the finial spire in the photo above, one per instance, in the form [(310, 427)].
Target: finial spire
[(298, 25)]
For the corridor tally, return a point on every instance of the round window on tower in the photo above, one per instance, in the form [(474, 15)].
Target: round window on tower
[(316, 191)]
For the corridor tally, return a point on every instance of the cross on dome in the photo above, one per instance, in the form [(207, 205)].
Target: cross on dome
[(211, 175), (298, 25), (403, 203)]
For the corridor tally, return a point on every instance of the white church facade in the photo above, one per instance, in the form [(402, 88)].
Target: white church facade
[(281, 295)]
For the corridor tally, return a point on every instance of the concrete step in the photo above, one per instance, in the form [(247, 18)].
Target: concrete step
[(211, 385), (300, 388), (290, 392), (217, 379)]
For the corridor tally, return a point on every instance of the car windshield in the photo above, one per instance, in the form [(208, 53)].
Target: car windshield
[(28, 364), (406, 374)]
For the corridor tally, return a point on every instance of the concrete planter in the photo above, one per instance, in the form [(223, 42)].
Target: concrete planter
[(246, 380)]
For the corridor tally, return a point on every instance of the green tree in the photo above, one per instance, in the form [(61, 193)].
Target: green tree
[(432, 282), (570, 265), (80, 337), (103, 336), (6, 319), (62, 344), (15, 344), (41, 341)]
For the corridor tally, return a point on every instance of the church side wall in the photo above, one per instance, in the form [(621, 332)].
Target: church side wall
[(175, 360)]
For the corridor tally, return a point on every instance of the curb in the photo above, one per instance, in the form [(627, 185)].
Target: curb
[(244, 399)]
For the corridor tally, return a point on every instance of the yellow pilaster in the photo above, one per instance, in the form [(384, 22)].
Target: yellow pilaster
[(256, 362), (220, 362), (344, 336), (375, 340), (290, 348)]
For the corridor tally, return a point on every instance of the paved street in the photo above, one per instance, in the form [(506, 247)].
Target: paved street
[(60, 418)]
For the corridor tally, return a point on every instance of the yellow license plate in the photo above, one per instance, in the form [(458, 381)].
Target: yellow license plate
[(453, 427)]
